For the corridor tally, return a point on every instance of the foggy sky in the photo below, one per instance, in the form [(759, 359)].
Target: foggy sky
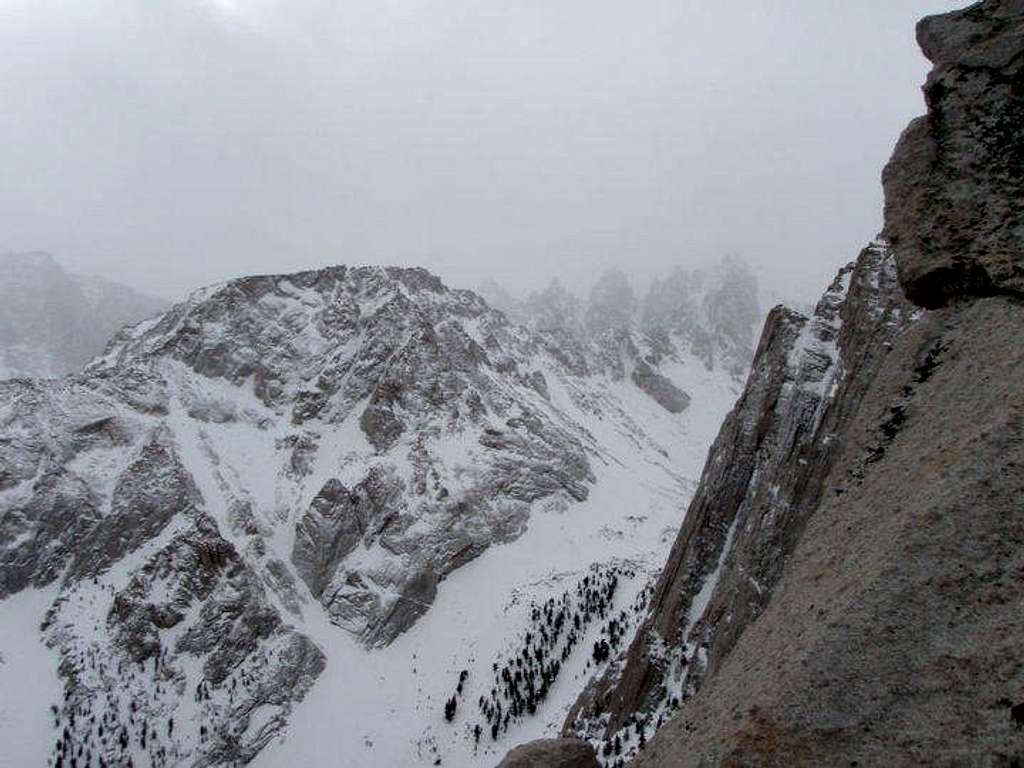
[(173, 143)]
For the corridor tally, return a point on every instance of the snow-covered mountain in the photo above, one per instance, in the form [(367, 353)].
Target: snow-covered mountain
[(306, 511), (53, 322)]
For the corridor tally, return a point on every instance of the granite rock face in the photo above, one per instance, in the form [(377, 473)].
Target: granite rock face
[(890, 636), (955, 185)]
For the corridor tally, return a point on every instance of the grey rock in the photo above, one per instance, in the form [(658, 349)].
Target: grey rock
[(60, 511), (954, 186), (665, 393), (552, 753), (151, 492), (337, 520), (326, 534), (888, 638)]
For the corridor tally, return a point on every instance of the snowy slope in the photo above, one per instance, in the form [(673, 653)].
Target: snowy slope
[(28, 678), (385, 708)]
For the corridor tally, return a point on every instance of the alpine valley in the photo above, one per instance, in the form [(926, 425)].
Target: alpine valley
[(315, 517)]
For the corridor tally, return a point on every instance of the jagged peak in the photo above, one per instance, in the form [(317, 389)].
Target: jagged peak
[(325, 304)]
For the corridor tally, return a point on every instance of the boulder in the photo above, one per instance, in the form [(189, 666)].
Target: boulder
[(552, 753), (660, 388)]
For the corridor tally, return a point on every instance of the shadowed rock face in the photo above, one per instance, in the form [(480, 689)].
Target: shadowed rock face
[(954, 189), (338, 519), (661, 388), (762, 480)]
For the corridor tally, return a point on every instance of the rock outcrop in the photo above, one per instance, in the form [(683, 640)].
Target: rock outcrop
[(955, 185), (890, 636), (842, 590), (660, 388)]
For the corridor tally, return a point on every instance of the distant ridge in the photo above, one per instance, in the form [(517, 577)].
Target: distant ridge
[(52, 322)]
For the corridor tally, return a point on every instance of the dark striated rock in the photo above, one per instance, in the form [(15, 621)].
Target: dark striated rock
[(153, 490), (60, 511), (762, 480), (954, 189), (327, 532), (552, 753)]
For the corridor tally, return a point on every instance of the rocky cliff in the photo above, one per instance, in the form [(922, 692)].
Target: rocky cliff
[(846, 585), (763, 479)]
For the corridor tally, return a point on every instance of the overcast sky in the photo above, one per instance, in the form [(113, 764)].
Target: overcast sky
[(173, 143)]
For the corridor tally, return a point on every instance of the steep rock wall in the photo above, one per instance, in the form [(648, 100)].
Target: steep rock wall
[(763, 479)]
